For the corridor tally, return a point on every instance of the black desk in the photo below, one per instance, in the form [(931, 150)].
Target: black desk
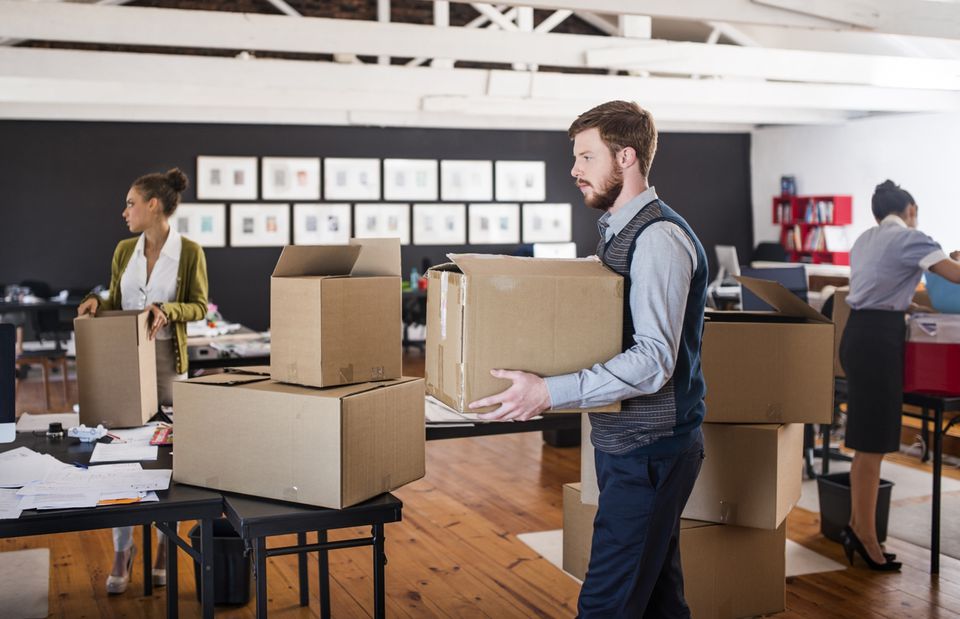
[(938, 405), (255, 519), (176, 504), (12, 307), (550, 421)]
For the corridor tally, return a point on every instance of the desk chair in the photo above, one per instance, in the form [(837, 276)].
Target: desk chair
[(769, 252), (47, 360)]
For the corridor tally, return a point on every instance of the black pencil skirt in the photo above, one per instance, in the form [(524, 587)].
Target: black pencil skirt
[(871, 353)]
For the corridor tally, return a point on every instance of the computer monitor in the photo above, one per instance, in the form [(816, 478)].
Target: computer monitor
[(8, 353), (728, 264), (793, 279)]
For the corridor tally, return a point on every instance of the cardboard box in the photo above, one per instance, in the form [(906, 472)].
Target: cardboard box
[(769, 367), (728, 571), (116, 369), (242, 432), (751, 475), (539, 315), (335, 313)]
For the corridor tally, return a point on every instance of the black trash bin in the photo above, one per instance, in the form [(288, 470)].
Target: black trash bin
[(231, 567), (834, 490)]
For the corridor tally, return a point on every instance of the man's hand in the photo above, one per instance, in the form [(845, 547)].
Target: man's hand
[(526, 398), (158, 320)]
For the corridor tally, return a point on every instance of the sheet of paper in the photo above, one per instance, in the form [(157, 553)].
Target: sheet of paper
[(33, 423), (61, 501), (143, 434), (123, 452), (22, 466), (9, 504)]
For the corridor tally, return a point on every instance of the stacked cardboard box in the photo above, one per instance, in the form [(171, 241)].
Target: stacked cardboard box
[(539, 315), (332, 422), (767, 374)]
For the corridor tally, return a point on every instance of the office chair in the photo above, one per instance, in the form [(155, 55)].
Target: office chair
[(769, 252), (793, 279)]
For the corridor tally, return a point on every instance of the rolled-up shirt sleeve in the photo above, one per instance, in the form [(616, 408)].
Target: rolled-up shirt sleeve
[(661, 270)]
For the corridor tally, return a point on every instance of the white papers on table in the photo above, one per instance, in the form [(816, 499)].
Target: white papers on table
[(129, 478), (143, 434), (20, 466), (9, 504), (34, 423), (123, 452), (61, 500)]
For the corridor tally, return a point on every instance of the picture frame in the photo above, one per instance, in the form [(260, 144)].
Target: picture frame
[(494, 224), (439, 224), (555, 250), (226, 178), (290, 178), (204, 223), (382, 221), (466, 180), (410, 179), (521, 181), (259, 225), (547, 223), (348, 178), (321, 224)]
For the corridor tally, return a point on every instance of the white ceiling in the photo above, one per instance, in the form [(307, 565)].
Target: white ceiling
[(701, 65)]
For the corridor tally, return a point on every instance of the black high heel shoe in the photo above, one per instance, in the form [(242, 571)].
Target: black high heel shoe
[(852, 544)]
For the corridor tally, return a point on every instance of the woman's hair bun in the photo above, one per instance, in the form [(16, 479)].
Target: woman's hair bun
[(887, 185), (177, 179)]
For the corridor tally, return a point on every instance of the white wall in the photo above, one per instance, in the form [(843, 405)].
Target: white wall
[(919, 152)]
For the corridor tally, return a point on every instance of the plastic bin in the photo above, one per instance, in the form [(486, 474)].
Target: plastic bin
[(834, 491), (944, 294), (232, 572)]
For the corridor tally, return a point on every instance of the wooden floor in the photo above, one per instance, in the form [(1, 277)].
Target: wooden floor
[(456, 552)]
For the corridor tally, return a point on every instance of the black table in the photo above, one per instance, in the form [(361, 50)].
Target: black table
[(12, 307), (255, 519), (176, 504), (927, 403)]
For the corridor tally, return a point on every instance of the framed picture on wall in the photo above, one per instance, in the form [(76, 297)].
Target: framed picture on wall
[(321, 224), (494, 224), (351, 179), (466, 180), (290, 178), (259, 225), (547, 223), (382, 221), (226, 178), (555, 250), (410, 179), (523, 181), (439, 224), (204, 223)]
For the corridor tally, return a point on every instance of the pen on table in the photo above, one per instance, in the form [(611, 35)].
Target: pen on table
[(79, 465)]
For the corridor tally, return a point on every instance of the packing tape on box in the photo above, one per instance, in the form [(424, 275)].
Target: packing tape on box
[(377, 373), (774, 412), (444, 284), (290, 493), (346, 374), (728, 511)]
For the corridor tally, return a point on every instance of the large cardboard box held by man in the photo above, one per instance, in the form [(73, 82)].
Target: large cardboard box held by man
[(728, 571), (242, 432), (116, 368), (539, 315), (751, 475), (335, 313), (769, 367)]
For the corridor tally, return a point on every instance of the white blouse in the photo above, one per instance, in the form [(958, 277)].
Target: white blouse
[(137, 292)]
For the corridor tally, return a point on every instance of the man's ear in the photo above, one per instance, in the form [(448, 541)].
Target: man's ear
[(627, 157)]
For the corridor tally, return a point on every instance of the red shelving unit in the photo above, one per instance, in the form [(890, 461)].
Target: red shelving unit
[(802, 220)]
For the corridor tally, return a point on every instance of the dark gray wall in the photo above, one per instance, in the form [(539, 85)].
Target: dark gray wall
[(63, 184)]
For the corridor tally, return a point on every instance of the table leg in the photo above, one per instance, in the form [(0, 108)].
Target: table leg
[(207, 592), (172, 593), (260, 575), (147, 561), (323, 559), (925, 433), (827, 431), (302, 571), (937, 469), (379, 561)]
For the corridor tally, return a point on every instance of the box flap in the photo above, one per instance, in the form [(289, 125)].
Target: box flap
[(494, 264), (257, 370), (352, 390), (301, 260), (378, 257), (781, 299)]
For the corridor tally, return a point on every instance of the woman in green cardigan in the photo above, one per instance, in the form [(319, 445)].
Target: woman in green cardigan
[(166, 273)]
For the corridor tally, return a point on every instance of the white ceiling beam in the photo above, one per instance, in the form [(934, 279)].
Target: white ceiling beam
[(600, 22), (552, 21), (169, 73), (383, 17), (929, 18), (495, 16), (779, 64)]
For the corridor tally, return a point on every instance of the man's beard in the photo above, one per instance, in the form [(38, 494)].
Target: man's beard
[(604, 197)]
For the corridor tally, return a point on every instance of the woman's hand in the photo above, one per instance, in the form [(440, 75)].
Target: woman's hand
[(158, 320), (90, 306), (955, 255)]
